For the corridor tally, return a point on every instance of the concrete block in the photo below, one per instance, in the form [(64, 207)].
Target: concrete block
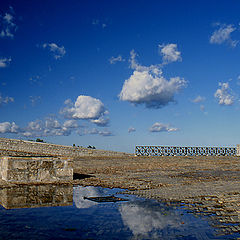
[(35, 169)]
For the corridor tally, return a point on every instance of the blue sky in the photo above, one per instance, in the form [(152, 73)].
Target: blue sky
[(115, 74)]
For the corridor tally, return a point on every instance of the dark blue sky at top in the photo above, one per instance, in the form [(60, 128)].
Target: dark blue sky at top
[(94, 31)]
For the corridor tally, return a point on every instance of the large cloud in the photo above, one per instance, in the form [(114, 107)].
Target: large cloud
[(161, 127), (224, 95), (148, 86), (223, 35)]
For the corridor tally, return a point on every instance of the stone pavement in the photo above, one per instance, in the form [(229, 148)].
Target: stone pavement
[(205, 185)]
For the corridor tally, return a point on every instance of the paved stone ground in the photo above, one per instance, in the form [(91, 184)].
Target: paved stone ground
[(205, 185)]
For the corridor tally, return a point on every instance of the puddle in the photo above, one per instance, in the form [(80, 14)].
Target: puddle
[(66, 212)]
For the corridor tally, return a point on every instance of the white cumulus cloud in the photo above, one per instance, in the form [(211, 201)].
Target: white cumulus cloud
[(170, 53), (85, 107), (4, 62), (148, 86), (161, 127), (224, 95), (223, 35), (58, 52)]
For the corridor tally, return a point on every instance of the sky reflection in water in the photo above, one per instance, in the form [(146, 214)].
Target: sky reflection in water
[(85, 219)]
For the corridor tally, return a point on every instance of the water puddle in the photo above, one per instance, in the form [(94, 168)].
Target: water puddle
[(66, 212)]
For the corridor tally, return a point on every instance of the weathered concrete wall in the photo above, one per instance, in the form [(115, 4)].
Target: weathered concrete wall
[(15, 147), (35, 169), (36, 196)]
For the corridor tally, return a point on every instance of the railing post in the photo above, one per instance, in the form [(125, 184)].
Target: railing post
[(238, 150)]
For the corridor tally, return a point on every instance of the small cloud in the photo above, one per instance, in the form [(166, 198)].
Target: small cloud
[(4, 62), (119, 58), (97, 22), (104, 133), (34, 100), (238, 80), (170, 53), (224, 95), (70, 124), (223, 35), (58, 52), (198, 99), (131, 129), (51, 123), (101, 122), (202, 108), (5, 100), (7, 25), (35, 79), (161, 127)]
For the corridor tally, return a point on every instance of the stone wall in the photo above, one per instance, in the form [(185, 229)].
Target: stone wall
[(36, 196), (14, 147), (35, 169)]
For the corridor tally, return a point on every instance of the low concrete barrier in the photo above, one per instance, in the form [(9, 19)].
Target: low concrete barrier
[(36, 169)]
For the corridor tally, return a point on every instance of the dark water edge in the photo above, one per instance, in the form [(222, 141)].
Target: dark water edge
[(63, 213)]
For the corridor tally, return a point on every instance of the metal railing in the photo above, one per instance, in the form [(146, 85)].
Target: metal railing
[(184, 151)]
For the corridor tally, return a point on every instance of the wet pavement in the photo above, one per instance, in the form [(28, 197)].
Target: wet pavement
[(137, 218)]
